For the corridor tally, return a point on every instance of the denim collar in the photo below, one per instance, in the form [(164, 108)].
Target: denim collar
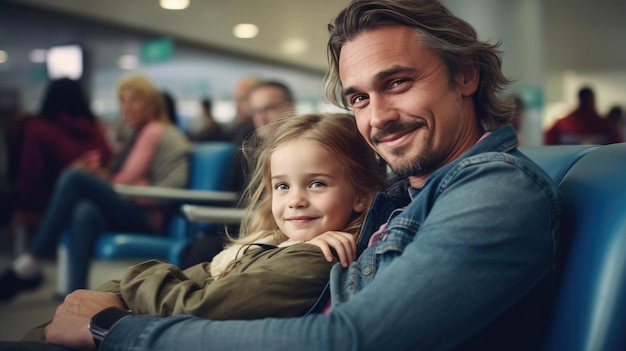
[(503, 139)]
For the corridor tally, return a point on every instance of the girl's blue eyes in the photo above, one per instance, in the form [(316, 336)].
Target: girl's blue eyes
[(315, 184)]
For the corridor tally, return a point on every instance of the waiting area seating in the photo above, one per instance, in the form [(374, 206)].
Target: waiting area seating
[(589, 313), (210, 164)]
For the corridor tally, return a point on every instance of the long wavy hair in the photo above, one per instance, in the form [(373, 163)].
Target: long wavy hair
[(336, 133), (453, 39), (65, 95)]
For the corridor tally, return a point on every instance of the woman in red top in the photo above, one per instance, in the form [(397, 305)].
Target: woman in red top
[(84, 203), (65, 129)]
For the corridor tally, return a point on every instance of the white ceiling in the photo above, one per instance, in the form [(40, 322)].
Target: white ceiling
[(579, 34), (210, 22)]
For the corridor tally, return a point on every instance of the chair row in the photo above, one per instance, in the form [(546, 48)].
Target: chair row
[(210, 166)]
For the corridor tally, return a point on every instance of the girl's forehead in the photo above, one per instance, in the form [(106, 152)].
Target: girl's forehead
[(304, 156), (305, 145)]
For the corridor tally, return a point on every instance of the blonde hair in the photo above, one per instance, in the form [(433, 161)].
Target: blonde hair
[(146, 88), (336, 133)]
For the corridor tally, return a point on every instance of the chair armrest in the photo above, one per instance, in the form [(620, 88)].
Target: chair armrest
[(212, 214), (176, 194)]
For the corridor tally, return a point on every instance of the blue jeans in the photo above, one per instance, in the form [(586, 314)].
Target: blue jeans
[(85, 206)]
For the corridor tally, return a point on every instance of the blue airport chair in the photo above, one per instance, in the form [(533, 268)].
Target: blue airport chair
[(591, 297), (210, 165)]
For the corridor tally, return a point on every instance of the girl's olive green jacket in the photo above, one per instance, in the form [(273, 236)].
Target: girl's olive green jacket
[(268, 282), (275, 282)]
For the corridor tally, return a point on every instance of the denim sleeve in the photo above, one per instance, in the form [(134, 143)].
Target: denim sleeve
[(487, 240), (148, 333)]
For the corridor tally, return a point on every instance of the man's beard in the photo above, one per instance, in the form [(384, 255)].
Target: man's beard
[(418, 166), (404, 167)]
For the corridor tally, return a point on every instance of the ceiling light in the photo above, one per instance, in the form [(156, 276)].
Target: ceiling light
[(127, 61), (245, 31), (294, 46), (174, 4)]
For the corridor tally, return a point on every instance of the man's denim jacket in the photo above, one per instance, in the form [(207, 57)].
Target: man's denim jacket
[(489, 217), (465, 262)]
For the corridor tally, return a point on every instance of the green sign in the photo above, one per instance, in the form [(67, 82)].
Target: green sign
[(532, 97), (157, 50)]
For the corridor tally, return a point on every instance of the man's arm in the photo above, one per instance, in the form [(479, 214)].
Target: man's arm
[(485, 244)]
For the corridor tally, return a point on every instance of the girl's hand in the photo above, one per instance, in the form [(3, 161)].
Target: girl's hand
[(336, 245)]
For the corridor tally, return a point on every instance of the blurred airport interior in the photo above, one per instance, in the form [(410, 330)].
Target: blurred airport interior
[(551, 49)]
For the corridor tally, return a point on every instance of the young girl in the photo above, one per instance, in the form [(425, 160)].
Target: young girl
[(314, 178)]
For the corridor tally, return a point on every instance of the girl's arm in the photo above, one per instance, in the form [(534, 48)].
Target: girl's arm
[(278, 282)]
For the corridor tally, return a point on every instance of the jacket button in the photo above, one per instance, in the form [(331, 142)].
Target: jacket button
[(367, 270)]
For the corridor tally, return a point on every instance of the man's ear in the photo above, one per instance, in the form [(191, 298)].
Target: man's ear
[(468, 78)]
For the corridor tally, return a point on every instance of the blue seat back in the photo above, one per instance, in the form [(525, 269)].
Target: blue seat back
[(589, 312), (210, 165), (209, 169), (591, 307), (557, 160)]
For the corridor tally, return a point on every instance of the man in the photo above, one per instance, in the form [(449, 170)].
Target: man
[(243, 123), (265, 101), (268, 100), (457, 255), (584, 125), (258, 103)]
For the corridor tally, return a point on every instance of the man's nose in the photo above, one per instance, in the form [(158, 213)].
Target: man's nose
[(381, 111)]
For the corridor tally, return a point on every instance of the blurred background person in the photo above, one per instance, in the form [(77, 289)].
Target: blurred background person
[(583, 125), (65, 129), (243, 123), (170, 107), (84, 202), (266, 101), (616, 116), (211, 130), (517, 117)]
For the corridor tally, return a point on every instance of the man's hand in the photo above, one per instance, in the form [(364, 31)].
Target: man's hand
[(343, 244), (69, 328)]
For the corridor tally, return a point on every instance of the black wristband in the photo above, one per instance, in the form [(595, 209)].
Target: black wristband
[(104, 320)]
